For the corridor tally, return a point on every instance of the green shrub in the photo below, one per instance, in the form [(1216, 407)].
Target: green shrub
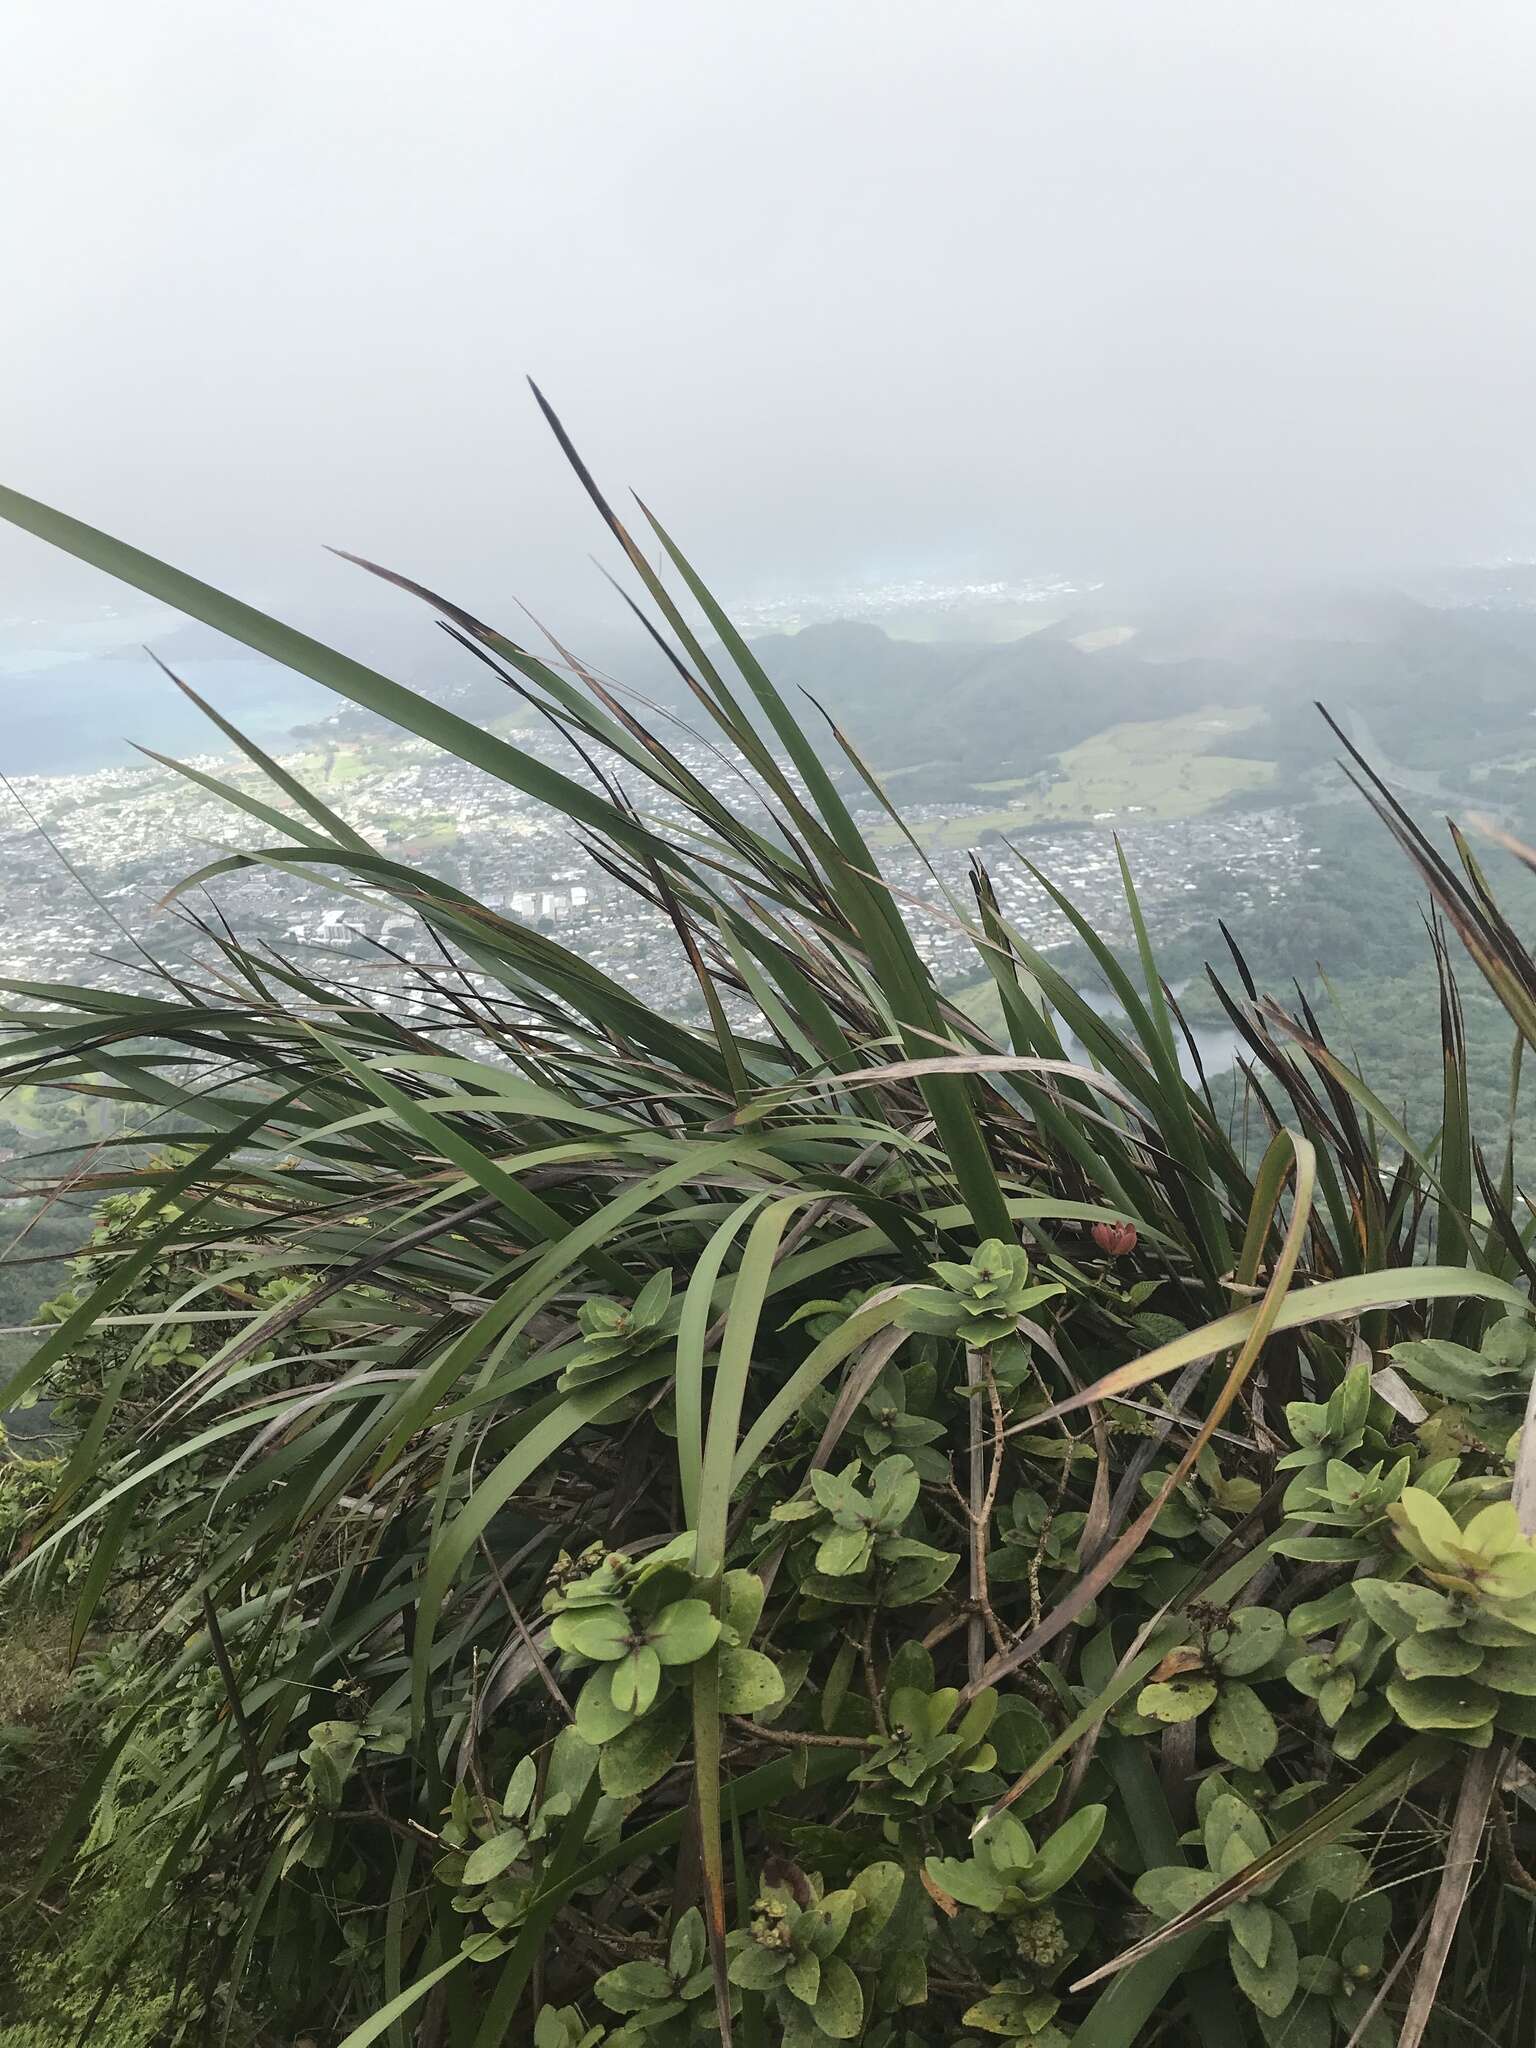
[(813, 1526)]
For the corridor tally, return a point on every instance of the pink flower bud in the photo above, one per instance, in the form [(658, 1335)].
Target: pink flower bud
[(1117, 1239)]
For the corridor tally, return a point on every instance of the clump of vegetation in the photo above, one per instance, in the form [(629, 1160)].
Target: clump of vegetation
[(823, 1526)]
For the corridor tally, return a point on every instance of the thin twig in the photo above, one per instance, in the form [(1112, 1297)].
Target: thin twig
[(871, 1685), (1477, 1789), (975, 1630), (551, 1683), (799, 1738), (412, 1830), (1388, 1981), (1514, 1870), (983, 1524)]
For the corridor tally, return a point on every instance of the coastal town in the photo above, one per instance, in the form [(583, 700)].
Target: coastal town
[(89, 861)]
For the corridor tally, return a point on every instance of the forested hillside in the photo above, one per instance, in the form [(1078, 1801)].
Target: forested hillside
[(1451, 690)]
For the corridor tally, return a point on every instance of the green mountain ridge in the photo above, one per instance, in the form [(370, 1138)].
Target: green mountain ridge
[(1456, 688)]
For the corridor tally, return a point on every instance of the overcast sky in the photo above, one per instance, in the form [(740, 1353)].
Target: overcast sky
[(843, 288)]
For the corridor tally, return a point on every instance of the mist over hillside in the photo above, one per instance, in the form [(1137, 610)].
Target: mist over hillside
[(946, 697), (1451, 686)]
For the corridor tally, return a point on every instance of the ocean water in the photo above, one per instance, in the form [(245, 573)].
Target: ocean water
[(66, 711)]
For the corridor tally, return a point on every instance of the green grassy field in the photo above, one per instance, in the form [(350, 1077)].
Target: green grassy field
[(427, 833), (981, 1001), (1145, 769), (346, 766)]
